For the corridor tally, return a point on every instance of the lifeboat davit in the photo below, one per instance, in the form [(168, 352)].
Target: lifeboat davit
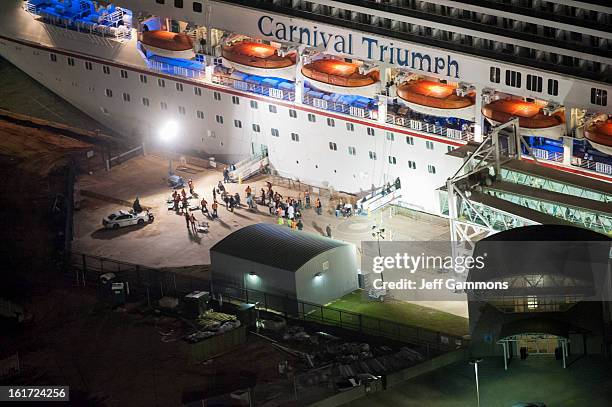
[(255, 58), (532, 119), (437, 99), (335, 76), (599, 135), (168, 44)]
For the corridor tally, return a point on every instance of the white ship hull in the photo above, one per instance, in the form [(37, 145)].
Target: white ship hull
[(224, 122), (310, 160)]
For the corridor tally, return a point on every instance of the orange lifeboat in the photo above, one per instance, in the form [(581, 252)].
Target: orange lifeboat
[(335, 76), (599, 135), (532, 119), (168, 44), (436, 99), (259, 59)]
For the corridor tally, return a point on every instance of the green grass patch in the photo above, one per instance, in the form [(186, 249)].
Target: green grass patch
[(397, 311)]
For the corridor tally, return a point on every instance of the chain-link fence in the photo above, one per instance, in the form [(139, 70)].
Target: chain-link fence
[(156, 283)]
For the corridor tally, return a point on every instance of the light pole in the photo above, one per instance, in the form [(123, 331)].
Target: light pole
[(378, 233), (475, 362), (167, 134)]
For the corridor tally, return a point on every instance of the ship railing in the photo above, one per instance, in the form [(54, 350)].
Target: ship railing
[(340, 107), (542, 154), (596, 166), (119, 33), (30, 8), (431, 128), (254, 88), (175, 70)]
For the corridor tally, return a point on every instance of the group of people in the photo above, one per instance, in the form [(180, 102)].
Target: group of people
[(288, 210)]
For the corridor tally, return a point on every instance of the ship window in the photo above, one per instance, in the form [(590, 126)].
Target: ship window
[(161, 83), (109, 93), (412, 165), (553, 87), (256, 128), (429, 145), (106, 69), (390, 136), (53, 57), (145, 101), (179, 87), (217, 96), (124, 74), (449, 148), (235, 100), (143, 78), (197, 7), (292, 113), (513, 78), (178, 3), (272, 108), (219, 119), (392, 160), (197, 91), (126, 97), (160, 1), (88, 66), (410, 140), (71, 61), (352, 150), (200, 114), (534, 83), (372, 155), (274, 132), (371, 131), (599, 97), (163, 105), (238, 124), (333, 146), (331, 122), (254, 104), (350, 126), (312, 117), (495, 74), (295, 137), (181, 110), (431, 169)]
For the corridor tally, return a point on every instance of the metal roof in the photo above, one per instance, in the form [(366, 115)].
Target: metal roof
[(275, 245), (553, 250)]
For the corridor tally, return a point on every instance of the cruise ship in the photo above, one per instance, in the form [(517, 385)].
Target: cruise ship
[(345, 94)]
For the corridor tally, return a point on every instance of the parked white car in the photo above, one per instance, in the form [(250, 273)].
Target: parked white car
[(123, 218)]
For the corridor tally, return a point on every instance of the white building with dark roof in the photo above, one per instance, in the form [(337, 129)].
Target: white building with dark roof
[(277, 260)]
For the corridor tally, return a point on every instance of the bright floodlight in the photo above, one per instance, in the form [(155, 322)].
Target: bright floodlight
[(168, 131)]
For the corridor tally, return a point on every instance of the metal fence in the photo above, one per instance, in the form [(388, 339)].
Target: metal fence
[(156, 283)]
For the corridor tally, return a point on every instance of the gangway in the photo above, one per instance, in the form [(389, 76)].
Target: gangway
[(498, 188), (587, 213), (249, 167), (380, 197)]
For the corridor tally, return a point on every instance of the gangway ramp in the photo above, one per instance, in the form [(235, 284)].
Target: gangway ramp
[(587, 213), (249, 167), (380, 198), (530, 173)]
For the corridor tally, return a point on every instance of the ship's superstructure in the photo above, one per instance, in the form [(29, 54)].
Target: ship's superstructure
[(342, 94)]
